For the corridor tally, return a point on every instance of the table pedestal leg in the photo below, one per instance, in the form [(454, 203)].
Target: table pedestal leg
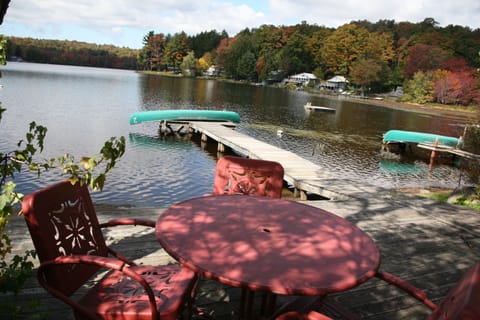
[(247, 299)]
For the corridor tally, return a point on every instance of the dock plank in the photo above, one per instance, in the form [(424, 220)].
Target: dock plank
[(304, 175)]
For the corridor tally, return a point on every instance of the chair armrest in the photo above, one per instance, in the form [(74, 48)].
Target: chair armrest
[(128, 221), (105, 262), (407, 287)]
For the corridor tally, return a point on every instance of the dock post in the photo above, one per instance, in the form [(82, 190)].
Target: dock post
[(432, 155), (220, 147), (296, 192)]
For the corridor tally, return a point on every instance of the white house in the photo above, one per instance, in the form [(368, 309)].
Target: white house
[(302, 78), (337, 83), (211, 71)]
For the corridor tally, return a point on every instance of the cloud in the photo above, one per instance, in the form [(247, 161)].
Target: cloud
[(125, 22), (333, 13), (162, 16)]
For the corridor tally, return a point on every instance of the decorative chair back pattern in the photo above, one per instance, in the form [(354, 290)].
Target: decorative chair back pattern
[(62, 222), (248, 176)]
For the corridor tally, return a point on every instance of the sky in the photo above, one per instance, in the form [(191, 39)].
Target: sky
[(124, 23)]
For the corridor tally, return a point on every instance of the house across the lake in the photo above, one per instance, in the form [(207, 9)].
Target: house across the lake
[(337, 83), (301, 79)]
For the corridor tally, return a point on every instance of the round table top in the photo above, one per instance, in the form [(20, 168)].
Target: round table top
[(275, 245)]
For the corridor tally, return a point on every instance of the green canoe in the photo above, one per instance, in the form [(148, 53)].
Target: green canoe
[(184, 115), (400, 136)]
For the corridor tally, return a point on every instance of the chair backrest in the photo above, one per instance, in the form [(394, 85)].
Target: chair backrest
[(463, 300), (248, 176), (62, 221)]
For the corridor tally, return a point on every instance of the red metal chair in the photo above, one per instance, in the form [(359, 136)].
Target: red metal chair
[(71, 248), (248, 176), (235, 175), (461, 303)]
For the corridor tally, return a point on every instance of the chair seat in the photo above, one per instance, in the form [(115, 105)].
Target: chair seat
[(117, 296)]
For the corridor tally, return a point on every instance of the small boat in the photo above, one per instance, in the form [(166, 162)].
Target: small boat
[(308, 106), (184, 115)]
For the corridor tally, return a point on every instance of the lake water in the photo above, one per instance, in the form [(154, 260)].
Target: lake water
[(83, 107)]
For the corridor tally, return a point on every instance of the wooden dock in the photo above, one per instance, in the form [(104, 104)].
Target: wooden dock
[(303, 175), (308, 107)]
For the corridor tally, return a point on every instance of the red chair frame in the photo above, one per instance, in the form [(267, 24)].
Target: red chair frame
[(461, 303), (71, 248)]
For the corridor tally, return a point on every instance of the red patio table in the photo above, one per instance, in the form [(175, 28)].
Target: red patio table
[(264, 244)]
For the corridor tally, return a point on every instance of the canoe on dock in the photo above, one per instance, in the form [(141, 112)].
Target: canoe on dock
[(308, 106), (401, 136), (425, 145), (184, 115)]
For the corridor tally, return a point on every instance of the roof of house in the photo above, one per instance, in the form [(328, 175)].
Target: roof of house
[(304, 75), (338, 79)]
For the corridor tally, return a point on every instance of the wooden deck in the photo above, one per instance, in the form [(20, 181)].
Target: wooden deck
[(305, 176), (428, 243)]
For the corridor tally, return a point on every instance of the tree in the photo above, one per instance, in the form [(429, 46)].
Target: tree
[(239, 49), (205, 42), (294, 56), (419, 89), (455, 87), (365, 71), (72, 53), (314, 45), (446, 86), (246, 66), (343, 47), (3, 50), (188, 65), (156, 48), (222, 51), (267, 43), (204, 62), (424, 57), (176, 48)]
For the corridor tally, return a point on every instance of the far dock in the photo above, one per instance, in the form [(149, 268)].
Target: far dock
[(308, 106)]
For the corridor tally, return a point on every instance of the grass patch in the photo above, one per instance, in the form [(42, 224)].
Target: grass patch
[(460, 201)]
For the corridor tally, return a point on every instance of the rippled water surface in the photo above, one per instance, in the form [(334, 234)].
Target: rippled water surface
[(83, 107)]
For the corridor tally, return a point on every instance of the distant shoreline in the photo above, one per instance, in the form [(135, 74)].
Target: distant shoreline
[(456, 112)]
